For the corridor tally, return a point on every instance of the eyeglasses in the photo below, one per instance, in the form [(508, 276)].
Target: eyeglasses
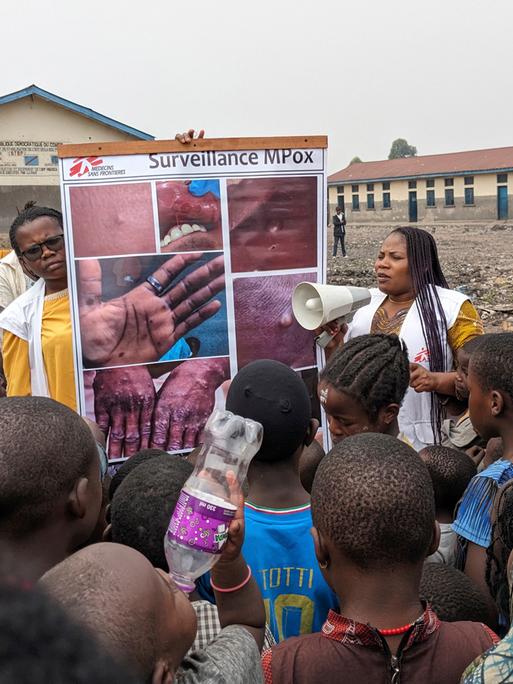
[(52, 243)]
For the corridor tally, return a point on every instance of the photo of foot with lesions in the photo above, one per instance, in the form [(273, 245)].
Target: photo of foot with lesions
[(151, 308), (189, 215), (163, 405)]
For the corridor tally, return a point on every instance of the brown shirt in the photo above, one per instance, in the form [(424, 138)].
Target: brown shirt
[(432, 652)]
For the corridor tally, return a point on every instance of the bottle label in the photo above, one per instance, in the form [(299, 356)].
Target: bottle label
[(199, 524)]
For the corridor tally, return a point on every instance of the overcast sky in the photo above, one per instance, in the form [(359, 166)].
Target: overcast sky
[(437, 72)]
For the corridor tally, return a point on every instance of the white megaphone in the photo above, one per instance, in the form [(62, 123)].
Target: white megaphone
[(315, 305)]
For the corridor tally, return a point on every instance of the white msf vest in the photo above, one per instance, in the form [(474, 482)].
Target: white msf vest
[(415, 413), (23, 318)]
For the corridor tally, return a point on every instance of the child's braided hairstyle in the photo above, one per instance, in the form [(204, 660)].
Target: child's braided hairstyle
[(373, 369)]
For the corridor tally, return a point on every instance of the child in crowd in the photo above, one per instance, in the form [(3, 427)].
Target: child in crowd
[(309, 462), (278, 545), (41, 645), (130, 464), (148, 624), (140, 512), (50, 488), (361, 389), (374, 517), (496, 665), (450, 471), (501, 546), (363, 384), (457, 430), (490, 383), (453, 596)]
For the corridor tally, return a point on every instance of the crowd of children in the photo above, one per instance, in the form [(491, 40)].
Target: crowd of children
[(371, 563)]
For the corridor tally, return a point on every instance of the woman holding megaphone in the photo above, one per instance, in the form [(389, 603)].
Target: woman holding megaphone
[(414, 301)]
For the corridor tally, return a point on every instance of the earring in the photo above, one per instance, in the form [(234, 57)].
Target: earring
[(323, 565)]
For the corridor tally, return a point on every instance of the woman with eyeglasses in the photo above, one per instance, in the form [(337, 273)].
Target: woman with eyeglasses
[(37, 347)]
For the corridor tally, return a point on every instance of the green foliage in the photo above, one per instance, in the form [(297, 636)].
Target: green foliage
[(355, 160), (400, 148)]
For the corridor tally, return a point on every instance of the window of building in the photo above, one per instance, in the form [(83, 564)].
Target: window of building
[(386, 185), (386, 200), (340, 189), (468, 180), (430, 198), (31, 160), (356, 203), (449, 182), (449, 197), (469, 195), (370, 187), (355, 188), (430, 183), (412, 185), (370, 201), (54, 159), (502, 178)]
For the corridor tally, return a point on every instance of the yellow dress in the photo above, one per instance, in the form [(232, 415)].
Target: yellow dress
[(56, 340), (466, 326)]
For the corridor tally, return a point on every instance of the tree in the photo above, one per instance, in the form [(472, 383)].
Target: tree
[(400, 149), (355, 160)]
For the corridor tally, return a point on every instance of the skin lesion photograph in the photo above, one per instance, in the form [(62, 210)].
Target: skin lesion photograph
[(151, 308), (273, 223), (265, 326), (112, 219), (162, 406), (189, 215)]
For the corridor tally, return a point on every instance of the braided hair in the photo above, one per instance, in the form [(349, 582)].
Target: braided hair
[(426, 272), (373, 369), (29, 213), (496, 565)]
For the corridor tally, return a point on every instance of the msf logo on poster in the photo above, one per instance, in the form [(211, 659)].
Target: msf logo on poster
[(84, 165), (93, 167)]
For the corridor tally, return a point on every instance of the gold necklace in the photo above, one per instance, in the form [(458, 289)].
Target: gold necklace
[(397, 301)]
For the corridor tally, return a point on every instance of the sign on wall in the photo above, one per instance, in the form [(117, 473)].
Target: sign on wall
[(28, 158), (182, 261)]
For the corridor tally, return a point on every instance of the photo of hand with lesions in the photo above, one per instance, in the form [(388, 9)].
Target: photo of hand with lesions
[(144, 309), (163, 405)]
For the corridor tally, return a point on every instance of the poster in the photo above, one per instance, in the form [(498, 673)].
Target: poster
[(182, 262)]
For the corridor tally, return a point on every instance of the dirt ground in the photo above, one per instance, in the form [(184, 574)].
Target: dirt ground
[(476, 259)]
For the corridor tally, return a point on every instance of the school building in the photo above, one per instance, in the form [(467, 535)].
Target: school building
[(474, 186), (32, 123)]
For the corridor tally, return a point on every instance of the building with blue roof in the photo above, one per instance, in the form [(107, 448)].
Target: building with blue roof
[(33, 122)]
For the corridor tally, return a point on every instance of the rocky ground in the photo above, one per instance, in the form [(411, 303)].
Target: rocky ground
[(476, 259)]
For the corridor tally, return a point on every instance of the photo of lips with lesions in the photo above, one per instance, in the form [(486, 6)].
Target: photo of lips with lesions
[(163, 405), (273, 223), (189, 215), (145, 309)]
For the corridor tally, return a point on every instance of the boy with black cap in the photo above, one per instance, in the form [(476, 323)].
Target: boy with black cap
[(278, 546)]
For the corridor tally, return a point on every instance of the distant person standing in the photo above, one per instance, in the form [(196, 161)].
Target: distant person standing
[(339, 231)]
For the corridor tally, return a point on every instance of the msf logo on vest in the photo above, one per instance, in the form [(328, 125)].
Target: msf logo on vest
[(82, 166), (422, 356)]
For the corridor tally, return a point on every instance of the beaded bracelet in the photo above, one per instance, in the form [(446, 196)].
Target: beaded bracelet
[(231, 589)]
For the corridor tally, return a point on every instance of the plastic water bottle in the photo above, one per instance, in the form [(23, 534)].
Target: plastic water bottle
[(198, 528)]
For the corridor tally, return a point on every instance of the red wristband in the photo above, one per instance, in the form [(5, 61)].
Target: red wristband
[(230, 589)]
